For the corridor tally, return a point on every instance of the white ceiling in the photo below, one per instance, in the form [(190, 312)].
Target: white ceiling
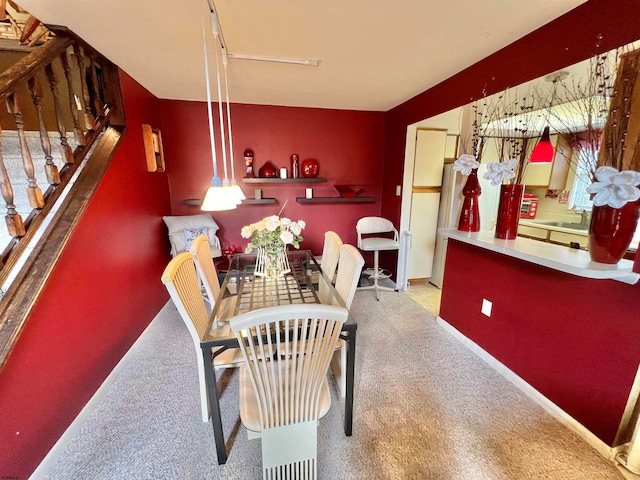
[(375, 54)]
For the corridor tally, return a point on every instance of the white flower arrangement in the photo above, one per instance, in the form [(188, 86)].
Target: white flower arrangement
[(273, 233), (465, 163), (615, 188), (498, 172)]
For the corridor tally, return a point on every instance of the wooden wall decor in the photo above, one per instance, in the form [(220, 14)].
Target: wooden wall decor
[(153, 148)]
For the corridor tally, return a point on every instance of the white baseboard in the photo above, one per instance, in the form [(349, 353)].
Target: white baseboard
[(56, 451), (551, 408)]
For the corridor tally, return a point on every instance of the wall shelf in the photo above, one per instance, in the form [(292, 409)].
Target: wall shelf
[(258, 201), (247, 201), (284, 180), (336, 200)]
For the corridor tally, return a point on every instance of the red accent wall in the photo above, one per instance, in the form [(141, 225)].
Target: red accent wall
[(348, 145), (573, 339), (101, 295)]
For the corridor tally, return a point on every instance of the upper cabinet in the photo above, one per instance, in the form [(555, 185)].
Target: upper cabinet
[(552, 176)]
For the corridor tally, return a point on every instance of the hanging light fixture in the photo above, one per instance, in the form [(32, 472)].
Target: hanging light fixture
[(543, 152), (218, 196)]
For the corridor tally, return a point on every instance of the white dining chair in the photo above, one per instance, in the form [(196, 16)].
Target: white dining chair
[(349, 270), (330, 255), (283, 381), (184, 288), (375, 234)]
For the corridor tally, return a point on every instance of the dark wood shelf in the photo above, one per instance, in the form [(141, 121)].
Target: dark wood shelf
[(336, 200), (284, 180), (247, 201), (258, 201)]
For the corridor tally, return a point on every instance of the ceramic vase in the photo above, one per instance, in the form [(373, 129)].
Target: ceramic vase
[(611, 231), (509, 211), (271, 263), (470, 213)]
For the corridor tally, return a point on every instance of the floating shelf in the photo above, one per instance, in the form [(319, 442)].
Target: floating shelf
[(247, 201), (336, 200), (284, 180), (258, 201)]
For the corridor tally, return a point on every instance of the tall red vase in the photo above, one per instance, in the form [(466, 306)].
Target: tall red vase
[(611, 231), (470, 213), (509, 211)]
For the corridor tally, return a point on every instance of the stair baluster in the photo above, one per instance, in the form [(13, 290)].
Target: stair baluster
[(33, 191), (89, 119), (77, 130), (53, 176), (15, 226), (65, 149), (98, 102)]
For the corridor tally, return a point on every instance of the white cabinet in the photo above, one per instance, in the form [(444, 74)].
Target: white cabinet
[(549, 175)]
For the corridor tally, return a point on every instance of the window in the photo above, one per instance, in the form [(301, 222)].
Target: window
[(580, 199)]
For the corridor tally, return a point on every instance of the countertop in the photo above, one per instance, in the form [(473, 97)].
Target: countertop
[(564, 259), (536, 224)]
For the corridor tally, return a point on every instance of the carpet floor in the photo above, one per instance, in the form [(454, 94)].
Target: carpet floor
[(425, 408)]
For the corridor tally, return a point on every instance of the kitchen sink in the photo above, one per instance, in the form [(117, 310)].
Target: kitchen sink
[(570, 225)]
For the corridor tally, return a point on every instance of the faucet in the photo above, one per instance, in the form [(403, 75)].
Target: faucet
[(583, 216)]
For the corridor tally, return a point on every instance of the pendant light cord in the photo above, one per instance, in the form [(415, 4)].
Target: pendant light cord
[(222, 135), (226, 87), (209, 110)]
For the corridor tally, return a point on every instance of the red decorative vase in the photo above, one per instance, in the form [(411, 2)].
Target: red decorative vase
[(509, 211), (309, 168), (611, 231), (470, 213)]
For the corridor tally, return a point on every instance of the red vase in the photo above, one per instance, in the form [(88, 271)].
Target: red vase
[(509, 211), (470, 213), (611, 231)]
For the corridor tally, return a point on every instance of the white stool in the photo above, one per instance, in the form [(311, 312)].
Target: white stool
[(372, 226)]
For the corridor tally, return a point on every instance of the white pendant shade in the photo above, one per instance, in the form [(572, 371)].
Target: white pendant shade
[(236, 193), (217, 199)]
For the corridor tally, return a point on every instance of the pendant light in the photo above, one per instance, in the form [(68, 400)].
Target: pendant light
[(218, 197), (543, 152)]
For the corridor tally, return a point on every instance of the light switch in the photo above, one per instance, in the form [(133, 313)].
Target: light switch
[(398, 190), (486, 307)]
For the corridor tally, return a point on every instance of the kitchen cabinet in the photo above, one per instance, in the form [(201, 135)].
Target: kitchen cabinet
[(552, 176)]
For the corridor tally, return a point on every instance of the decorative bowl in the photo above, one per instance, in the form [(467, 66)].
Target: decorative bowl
[(348, 191)]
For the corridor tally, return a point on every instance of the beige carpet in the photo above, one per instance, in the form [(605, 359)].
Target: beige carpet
[(426, 408)]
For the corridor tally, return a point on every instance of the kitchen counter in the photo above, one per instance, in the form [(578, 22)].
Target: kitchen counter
[(564, 259), (552, 228)]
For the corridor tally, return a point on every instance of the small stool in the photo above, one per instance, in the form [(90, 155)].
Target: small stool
[(372, 226)]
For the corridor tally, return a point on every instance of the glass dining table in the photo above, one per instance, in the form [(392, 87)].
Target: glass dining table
[(241, 292)]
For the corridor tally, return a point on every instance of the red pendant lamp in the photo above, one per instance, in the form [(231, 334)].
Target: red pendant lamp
[(543, 151)]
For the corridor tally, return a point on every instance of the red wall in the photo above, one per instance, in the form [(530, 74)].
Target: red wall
[(573, 339), (348, 145), (101, 295)]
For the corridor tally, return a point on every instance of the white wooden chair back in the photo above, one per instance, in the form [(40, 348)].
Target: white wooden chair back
[(330, 255), (349, 270), (287, 370), (184, 288), (205, 268)]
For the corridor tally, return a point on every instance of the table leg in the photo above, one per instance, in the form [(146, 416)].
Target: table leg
[(348, 403), (214, 405)]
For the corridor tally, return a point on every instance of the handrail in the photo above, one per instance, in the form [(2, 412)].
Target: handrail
[(25, 67)]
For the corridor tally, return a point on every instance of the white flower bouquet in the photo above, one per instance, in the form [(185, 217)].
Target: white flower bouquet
[(273, 233), (465, 163)]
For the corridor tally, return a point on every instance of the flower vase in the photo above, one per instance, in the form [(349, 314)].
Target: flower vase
[(272, 263), (470, 213), (509, 211), (611, 231)]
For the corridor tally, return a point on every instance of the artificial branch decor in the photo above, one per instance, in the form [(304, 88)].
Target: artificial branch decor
[(620, 147)]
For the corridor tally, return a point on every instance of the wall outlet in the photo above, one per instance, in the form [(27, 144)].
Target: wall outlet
[(486, 307), (398, 190)]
